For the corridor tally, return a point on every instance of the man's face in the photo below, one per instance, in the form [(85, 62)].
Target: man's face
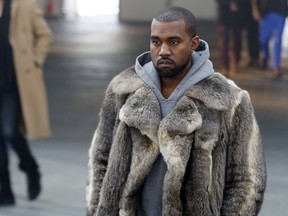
[(171, 47)]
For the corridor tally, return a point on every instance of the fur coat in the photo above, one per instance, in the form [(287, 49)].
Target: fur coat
[(210, 143)]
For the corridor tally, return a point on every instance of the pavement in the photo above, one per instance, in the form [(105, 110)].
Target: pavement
[(86, 53)]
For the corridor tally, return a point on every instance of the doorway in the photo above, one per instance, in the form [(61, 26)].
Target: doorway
[(94, 7), (91, 7)]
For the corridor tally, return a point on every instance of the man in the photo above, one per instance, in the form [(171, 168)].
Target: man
[(24, 41), (174, 137), (272, 18)]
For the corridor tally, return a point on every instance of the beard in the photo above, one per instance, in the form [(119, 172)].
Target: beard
[(170, 73)]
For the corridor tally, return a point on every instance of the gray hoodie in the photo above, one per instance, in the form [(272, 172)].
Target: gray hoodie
[(150, 202)]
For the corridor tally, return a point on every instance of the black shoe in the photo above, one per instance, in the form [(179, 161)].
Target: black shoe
[(34, 186), (6, 199)]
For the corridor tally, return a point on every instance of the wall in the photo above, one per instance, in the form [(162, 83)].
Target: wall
[(144, 10), (202, 9), (139, 10)]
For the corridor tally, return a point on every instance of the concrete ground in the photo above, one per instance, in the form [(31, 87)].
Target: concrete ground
[(86, 53)]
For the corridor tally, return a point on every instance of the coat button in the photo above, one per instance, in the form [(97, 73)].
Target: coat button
[(24, 29), (24, 51), (27, 70)]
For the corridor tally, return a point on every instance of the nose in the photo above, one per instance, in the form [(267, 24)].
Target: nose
[(164, 50)]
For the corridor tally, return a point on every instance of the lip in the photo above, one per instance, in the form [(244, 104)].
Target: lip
[(165, 62)]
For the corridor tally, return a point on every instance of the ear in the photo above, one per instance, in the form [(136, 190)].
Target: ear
[(195, 42)]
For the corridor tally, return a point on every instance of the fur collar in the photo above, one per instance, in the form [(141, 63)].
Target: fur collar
[(213, 91)]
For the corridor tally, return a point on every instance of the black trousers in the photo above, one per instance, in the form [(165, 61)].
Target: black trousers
[(253, 39), (10, 135)]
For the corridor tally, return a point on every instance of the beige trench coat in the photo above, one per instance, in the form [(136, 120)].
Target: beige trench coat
[(30, 37)]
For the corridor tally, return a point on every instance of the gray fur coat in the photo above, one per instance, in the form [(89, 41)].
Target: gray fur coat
[(210, 143)]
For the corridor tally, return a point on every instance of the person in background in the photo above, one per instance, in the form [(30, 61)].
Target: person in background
[(252, 31), (24, 41), (232, 17), (175, 137), (272, 17)]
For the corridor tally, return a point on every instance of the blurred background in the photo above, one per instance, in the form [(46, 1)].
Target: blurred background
[(92, 42)]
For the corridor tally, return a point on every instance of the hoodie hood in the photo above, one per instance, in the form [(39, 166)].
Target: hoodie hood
[(202, 68)]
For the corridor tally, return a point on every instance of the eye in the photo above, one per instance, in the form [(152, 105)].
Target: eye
[(174, 42), (155, 42)]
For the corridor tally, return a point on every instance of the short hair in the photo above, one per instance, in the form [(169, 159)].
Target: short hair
[(176, 13)]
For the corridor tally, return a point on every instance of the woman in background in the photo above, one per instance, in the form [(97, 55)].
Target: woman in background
[(24, 41)]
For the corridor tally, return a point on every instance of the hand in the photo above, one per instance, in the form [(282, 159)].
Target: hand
[(256, 15)]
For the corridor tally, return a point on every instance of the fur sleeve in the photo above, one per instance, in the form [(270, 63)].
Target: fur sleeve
[(246, 170), (99, 151)]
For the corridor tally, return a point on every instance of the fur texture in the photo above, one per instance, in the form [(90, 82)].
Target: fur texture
[(210, 143)]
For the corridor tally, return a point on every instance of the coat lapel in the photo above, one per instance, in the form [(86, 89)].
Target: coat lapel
[(214, 92), (176, 135), (142, 111)]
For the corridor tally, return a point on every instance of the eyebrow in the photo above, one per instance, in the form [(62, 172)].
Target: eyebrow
[(169, 38)]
